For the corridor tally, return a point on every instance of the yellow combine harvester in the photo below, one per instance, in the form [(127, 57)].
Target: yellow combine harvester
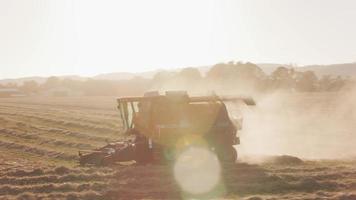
[(164, 125)]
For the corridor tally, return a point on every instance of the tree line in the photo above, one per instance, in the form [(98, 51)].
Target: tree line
[(231, 76)]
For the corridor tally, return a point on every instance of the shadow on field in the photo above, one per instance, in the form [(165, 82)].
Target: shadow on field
[(239, 180), (158, 182)]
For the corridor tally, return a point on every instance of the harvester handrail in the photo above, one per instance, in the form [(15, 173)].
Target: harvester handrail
[(135, 98), (246, 100)]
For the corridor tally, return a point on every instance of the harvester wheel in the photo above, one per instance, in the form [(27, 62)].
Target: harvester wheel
[(143, 156), (142, 159), (227, 154)]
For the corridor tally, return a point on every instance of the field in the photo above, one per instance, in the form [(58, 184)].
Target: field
[(40, 139)]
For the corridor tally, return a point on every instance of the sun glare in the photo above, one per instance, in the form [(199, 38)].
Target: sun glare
[(197, 170)]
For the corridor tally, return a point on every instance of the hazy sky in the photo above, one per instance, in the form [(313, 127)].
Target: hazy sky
[(87, 37)]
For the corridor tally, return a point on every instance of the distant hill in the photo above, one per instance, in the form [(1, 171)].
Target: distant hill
[(38, 79), (21, 80), (345, 69), (125, 75)]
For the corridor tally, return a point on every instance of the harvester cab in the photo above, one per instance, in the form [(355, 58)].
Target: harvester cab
[(164, 125)]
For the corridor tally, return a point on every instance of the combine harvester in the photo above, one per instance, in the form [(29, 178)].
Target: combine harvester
[(162, 126)]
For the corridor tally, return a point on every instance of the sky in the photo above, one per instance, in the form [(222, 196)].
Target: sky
[(89, 37)]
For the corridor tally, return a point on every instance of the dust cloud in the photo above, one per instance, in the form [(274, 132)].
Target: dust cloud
[(307, 125)]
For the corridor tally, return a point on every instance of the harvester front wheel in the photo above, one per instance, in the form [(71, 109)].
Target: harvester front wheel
[(227, 154)]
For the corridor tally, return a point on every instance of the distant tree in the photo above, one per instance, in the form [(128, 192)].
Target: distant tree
[(71, 84), (51, 82), (92, 87), (189, 74), (249, 71), (307, 81), (11, 85), (337, 83), (325, 83), (235, 71), (30, 87), (162, 77), (283, 78), (218, 72)]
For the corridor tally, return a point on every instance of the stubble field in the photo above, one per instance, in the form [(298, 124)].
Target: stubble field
[(40, 139)]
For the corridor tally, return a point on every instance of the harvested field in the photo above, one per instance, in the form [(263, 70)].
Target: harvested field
[(40, 138)]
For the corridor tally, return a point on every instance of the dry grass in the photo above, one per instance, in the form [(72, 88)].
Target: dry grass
[(39, 140)]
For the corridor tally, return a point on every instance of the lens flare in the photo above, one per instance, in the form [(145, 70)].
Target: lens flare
[(197, 170)]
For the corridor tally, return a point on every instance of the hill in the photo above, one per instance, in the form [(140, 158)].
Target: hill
[(38, 79), (344, 69), (125, 75)]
